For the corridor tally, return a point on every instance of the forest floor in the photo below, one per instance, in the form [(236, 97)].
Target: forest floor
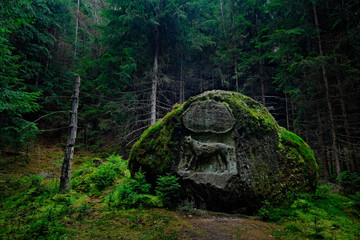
[(86, 216), (220, 227)]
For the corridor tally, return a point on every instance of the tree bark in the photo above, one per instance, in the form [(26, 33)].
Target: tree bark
[(348, 149), (76, 28), (293, 115), (329, 106), (262, 82), (70, 143), (182, 98), (236, 76), (287, 113), (261, 70), (323, 148), (222, 16), (155, 77)]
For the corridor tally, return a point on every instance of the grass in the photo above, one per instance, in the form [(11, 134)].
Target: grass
[(33, 208), (322, 215)]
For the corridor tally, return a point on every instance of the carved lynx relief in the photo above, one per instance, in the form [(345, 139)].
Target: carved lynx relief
[(207, 156), (211, 146)]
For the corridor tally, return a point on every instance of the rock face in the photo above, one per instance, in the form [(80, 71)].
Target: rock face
[(228, 151)]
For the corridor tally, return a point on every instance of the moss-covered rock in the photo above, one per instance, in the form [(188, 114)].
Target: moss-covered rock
[(228, 151)]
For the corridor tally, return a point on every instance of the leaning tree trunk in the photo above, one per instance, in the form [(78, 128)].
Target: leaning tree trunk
[(70, 143), (329, 106)]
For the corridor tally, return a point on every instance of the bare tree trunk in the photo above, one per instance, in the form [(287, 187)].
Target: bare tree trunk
[(287, 113), (213, 79), (330, 110), (182, 98), (323, 148), (76, 28), (201, 83), (70, 143), (293, 114), (236, 77), (262, 83), (222, 16), (261, 70), (155, 77), (348, 149)]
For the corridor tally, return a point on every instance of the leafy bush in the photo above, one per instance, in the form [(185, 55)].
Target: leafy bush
[(168, 189)]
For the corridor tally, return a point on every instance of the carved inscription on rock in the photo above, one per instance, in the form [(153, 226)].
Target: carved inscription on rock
[(209, 116)]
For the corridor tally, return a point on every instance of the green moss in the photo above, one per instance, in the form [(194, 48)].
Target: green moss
[(154, 150), (298, 165), (157, 151)]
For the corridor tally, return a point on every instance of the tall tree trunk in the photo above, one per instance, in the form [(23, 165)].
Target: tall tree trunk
[(182, 98), (70, 143), (261, 70), (287, 113), (349, 149), (222, 16), (201, 82), (76, 28), (236, 76), (322, 148), (329, 106), (155, 77), (262, 82), (293, 115)]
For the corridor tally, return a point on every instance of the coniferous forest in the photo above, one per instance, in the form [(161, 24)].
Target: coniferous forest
[(137, 59)]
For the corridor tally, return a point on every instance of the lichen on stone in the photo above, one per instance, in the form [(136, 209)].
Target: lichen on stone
[(223, 165)]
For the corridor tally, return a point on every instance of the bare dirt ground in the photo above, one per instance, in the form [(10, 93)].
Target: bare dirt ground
[(227, 227)]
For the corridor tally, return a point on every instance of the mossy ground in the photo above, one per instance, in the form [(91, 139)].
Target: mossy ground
[(34, 209)]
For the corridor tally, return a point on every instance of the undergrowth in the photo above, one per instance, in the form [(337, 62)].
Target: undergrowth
[(105, 202), (101, 188), (322, 215)]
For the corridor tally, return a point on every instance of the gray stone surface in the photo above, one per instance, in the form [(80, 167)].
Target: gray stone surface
[(228, 152), (208, 116)]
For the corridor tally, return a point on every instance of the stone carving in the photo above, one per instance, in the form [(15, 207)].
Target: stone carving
[(214, 157), (228, 151), (210, 116)]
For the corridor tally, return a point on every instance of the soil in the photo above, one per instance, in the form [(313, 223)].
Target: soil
[(227, 227)]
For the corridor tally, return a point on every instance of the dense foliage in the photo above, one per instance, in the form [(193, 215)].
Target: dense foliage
[(106, 203), (137, 59)]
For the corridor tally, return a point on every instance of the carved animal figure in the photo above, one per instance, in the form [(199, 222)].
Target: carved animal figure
[(207, 153)]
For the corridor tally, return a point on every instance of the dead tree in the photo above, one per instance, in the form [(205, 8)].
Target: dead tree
[(70, 143)]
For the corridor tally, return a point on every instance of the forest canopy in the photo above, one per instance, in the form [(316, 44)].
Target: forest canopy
[(138, 58)]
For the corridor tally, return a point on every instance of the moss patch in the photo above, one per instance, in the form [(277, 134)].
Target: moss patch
[(269, 160), (298, 167)]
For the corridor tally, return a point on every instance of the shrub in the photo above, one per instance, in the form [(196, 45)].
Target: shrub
[(130, 194), (103, 176), (168, 189), (92, 177), (139, 184)]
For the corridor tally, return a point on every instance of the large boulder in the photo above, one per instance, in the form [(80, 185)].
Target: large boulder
[(228, 151)]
